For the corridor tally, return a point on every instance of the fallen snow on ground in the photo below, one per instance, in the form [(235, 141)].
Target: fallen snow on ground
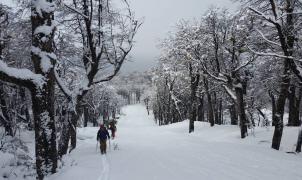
[(148, 152)]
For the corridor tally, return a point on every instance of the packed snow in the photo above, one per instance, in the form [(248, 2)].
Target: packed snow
[(143, 150)]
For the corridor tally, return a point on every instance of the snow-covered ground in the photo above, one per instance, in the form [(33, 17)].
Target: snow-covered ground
[(148, 152)]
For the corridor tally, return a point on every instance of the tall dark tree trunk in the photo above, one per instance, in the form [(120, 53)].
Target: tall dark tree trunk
[(193, 106), (169, 104), (75, 117), (86, 116), (65, 134), (5, 119), (273, 106), (241, 112), (216, 109), (25, 109), (45, 132), (220, 113), (287, 38), (200, 109), (233, 114), (43, 96), (278, 116), (210, 104), (299, 142), (266, 122), (294, 104), (70, 130)]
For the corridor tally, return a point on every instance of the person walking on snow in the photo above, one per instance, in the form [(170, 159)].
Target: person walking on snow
[(102, 137), (112, 128)]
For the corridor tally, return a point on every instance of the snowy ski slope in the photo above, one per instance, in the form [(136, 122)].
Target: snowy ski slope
[(149, 152)]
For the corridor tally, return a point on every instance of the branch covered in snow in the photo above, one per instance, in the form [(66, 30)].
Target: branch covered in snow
[(220, 79), (22, 77), (117, 67), (230, 93), (270, 54), (63, 87), (75, 10), (245, 64), (267, 40), (264, 16)]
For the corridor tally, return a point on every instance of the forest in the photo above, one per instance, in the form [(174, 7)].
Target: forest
[(61, 63), (241, 63)]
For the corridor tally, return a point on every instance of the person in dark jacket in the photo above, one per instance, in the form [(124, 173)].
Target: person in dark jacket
[(112, 128), (102, 137)]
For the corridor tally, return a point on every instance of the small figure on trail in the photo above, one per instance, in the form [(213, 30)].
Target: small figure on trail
[(102, 137), (112, 128)]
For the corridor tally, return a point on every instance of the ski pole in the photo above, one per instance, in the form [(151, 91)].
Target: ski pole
[(109, 145), (96, 148)]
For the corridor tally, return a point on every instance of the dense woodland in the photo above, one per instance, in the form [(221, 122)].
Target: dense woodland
[(60, 62), (227, 68)]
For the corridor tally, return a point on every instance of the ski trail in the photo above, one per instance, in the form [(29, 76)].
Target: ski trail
[(149, 152), (105, 168)]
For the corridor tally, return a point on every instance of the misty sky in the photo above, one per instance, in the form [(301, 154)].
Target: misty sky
[(160, 16)]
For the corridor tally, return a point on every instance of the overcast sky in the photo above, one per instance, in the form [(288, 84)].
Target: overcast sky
[(160, 16)]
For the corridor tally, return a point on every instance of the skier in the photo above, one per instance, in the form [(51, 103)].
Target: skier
[(112, 128), (102, 136)]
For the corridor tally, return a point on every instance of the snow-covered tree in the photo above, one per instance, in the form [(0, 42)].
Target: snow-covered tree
[(278, 23), (105, 37), (40, 83)]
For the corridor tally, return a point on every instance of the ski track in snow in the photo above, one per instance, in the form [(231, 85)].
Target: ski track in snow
[(148, 152), (105, 169)]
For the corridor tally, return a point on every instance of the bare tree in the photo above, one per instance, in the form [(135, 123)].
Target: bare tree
[(107, 38)]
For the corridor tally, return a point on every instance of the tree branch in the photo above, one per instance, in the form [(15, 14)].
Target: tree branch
[(21, 77), (62, 86), (269, 41)]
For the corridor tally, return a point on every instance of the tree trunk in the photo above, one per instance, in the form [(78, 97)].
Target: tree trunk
[(200, 110), (233, 115), (45, 132), (291, 105), (287, 40), (6, 121), (273, 107), (65, 134), (278, 116), (299, 142), (75, 117), (216, 109), (43, 95), (25, 109), (265, 120), (210, 104), (293, 102), (241, 111), (220, 114), (86, 116), (193, 106)]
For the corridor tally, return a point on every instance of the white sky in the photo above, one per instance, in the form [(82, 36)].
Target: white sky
[(159, 17)]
